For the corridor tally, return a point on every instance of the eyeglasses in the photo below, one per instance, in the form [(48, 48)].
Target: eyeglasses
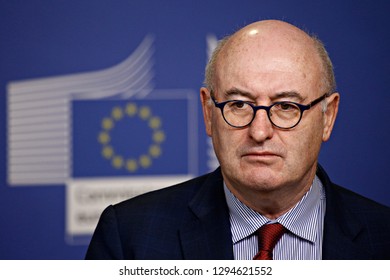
[(284, 114)]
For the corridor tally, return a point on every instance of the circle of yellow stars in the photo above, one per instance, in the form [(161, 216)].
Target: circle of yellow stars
[(131, 164)]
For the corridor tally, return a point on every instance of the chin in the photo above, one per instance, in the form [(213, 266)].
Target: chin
[(263, 183), (262, 170), (260, 179)]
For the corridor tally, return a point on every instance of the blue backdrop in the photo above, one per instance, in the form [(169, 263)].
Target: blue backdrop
[(40, 39)]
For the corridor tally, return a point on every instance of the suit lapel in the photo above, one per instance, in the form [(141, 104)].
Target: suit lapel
[(208, 236), (341, 226), (338, 245)]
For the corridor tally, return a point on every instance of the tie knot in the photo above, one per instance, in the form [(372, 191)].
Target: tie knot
[(268, 236)]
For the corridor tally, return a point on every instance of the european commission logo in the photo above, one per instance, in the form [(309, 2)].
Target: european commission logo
[(123, 119), (137, 137), (106, 135)]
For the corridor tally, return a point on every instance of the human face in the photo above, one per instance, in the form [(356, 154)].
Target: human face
[(261, 157)]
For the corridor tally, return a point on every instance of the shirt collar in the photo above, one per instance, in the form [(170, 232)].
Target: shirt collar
[(301, 220)]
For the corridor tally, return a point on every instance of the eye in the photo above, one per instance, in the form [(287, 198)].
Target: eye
[(238, 107), (286, 106), (239, 104)]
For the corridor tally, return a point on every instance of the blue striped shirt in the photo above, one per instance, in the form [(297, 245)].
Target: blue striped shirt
[(304, 221)]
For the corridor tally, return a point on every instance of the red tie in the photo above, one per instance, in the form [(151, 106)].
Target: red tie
[(268, 236)]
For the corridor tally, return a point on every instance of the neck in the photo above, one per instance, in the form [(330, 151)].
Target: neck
[(272, 203)]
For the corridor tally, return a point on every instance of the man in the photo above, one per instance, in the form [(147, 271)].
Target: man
[(268, 104)]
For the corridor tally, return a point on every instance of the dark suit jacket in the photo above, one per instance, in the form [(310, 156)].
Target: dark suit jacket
[(191, 221)]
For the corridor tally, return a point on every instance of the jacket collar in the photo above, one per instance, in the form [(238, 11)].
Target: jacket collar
[(208, 235), (341, 225)]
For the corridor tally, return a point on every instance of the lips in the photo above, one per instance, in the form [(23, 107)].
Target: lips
[(262, 154), (259, 155)]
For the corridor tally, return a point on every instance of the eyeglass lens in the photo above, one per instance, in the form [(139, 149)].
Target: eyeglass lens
[(240, 114)]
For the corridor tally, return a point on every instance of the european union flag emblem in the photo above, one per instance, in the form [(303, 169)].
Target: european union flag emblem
[(130, 137)]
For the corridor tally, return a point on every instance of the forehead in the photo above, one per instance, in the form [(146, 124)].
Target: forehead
[(269, 63)]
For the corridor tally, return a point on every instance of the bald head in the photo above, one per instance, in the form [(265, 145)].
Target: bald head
[(273, 40)]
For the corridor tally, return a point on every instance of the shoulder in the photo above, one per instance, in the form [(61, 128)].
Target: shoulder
[(355, 227), (349, 199), (177, 194), (172, 202), (357, 203), (125, 230), (352, 211)]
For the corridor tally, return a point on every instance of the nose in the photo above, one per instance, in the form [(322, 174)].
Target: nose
[(261, 127)]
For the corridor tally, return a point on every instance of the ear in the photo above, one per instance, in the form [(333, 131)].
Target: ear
[(206, 106), (330, 115)]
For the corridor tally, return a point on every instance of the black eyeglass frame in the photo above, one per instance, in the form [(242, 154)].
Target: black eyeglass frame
[(302, 108)]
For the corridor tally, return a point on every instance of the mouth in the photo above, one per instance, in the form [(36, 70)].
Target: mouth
[(261, 156)]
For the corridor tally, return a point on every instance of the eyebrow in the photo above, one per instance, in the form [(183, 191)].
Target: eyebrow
[(279, 95), (289, 94), (235, 91)]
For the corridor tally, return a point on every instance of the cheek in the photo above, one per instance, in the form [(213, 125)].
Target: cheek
[(303, 146), (226, 141)]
